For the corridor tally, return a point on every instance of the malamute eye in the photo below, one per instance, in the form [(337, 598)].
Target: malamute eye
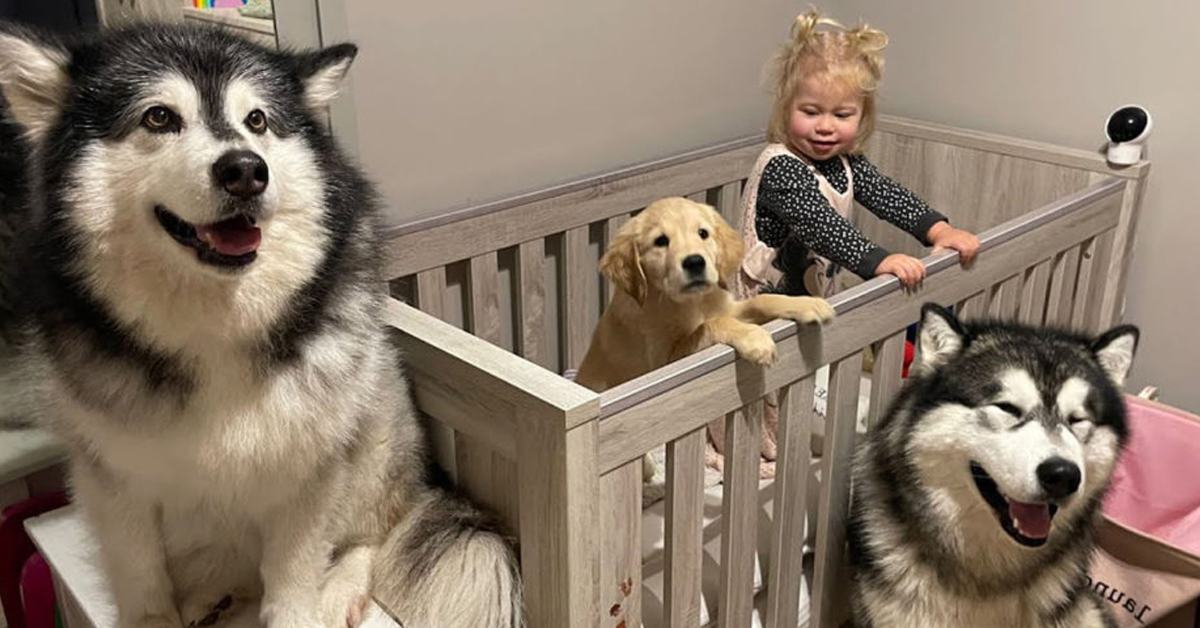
[(662, 240), (704, 234), (256, 121), (159, 119), (1009, 408), (1074, 420)]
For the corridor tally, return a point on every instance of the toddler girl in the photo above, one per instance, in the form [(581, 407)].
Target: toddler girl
[(797, 201), (798, 198)]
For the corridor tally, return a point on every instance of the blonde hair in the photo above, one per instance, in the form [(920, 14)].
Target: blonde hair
[(852, 57)]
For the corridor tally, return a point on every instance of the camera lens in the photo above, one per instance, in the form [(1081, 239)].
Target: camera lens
[(1127, 123)]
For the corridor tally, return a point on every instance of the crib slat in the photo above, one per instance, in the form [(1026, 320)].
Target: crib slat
[(1003, 298), (611, 228), (1033, 293), (1100, 282), (1061, 295), (485, 297), (530, 302), (479, 469), (728, 198), (973, 306), (1083, 283), (829, 586), (885, 377), (431, 292), (431, 289), (739, 509), (1070, 275), (786, 560), (684, 529), (1054, 298), (621, 544), (577, 271)]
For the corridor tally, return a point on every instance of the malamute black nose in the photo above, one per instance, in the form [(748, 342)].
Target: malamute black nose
[(694, 264), (1059, 477), (242, 173)]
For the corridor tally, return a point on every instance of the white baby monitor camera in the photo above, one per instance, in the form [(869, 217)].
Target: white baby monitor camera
[(1127, 129)]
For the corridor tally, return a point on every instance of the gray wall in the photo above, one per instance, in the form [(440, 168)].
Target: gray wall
[(1052, 71), (477, 100)]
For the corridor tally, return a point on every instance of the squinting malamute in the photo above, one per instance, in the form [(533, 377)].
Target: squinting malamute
[(974, 498), (192, 286)]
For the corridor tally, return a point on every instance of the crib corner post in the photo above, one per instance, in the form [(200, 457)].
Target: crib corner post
[(1112, 301), (559, 513)]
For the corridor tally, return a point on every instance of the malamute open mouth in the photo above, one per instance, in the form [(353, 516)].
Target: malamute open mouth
[(230, 243), (1027, 523), (281, 469), (1035, 417)]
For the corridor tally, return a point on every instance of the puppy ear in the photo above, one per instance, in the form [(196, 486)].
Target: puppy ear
[(729, 247), (33, 79), (1114, 350), (323, 73), (622, 264), (941, 337)]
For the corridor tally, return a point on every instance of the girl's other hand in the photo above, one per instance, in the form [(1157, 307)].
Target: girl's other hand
[(909, 270), (943, 236)]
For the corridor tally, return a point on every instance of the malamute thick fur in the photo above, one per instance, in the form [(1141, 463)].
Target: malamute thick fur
[(975, 498), (192, 289)]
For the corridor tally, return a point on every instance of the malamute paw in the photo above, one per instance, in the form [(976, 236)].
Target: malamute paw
[(756, 346), (809, 310)]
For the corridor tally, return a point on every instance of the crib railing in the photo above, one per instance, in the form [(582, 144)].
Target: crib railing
[(522, 272), (1039, 266), (573, 492), (508, 295)]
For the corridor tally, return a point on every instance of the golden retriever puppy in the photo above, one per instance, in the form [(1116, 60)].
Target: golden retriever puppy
[(671, 263)]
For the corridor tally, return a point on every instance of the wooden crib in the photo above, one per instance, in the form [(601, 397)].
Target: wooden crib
[(504, 298)]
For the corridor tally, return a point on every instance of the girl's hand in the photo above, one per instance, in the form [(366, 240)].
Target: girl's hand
[(943, 236), (908, 269)]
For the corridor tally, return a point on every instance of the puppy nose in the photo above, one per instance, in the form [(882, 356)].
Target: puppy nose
[(242, 173), (693, 264), (1059, 477)]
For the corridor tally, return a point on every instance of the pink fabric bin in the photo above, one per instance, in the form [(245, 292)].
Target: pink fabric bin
[(1156, 487), (1148, 566)]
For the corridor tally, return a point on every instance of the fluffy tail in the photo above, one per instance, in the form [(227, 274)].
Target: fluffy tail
[(448, 566)]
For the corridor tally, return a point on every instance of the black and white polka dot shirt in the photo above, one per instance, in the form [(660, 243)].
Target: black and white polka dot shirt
[(790, 204)]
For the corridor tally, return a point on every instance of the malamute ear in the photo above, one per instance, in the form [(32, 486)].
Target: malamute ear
[(1114, 350), (941, 336), (33, 78), (322, 72)]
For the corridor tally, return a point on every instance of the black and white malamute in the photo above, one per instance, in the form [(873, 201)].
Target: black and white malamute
[(190, 289), (974, 499)]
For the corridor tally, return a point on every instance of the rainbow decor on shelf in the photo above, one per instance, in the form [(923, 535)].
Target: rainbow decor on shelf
[(218, 4)]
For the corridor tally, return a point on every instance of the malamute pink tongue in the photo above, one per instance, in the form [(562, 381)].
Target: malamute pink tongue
[(1032, 520), (233, 237)]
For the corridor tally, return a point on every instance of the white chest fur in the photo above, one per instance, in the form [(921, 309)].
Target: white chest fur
[(241, 437)]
